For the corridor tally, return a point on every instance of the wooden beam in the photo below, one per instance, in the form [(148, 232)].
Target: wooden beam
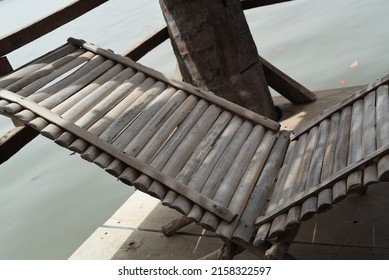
[(41, 27), (249, 4), (285, 85), (5, 66), (153, 40), (14, 140)]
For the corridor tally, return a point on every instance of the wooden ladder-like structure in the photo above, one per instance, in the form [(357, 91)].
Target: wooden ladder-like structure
[(224, 167)]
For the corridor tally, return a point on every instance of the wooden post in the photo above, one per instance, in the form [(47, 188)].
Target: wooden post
[(215, 51), (175, 225)]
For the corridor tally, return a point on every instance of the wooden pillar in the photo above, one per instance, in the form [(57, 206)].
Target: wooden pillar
[(215, 51)]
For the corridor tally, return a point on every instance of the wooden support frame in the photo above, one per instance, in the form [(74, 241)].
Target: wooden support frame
[(41, 27)]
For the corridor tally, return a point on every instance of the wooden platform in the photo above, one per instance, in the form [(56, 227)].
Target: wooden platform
[(232, 171), (354, 229)]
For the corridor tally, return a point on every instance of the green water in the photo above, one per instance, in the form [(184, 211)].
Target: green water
[(52, 201)]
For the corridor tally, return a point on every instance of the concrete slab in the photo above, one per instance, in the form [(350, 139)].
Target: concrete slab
[(355, 228)]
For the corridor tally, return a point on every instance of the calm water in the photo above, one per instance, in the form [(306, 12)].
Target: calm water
[(51, 201)]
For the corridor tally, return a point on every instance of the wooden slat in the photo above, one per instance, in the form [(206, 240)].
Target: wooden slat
[(28, 34), (181, 85), (197, 198)]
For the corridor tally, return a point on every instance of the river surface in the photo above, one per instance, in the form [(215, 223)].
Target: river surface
[(51, 201)]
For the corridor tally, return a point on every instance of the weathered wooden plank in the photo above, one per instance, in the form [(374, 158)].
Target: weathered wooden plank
[(196, 197), (285, 85), (41, 27), (147, 44), (14, 140)]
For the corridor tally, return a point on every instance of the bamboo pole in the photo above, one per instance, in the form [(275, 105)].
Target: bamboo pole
[(242, 194), (158, 138), (245, 228), (294, 214), (198, 156), (309, 206), (354, 180), (198, 179), (370, 173), (82, 101), (234, 175), (222, 167), (383, 130), (34, 73), (145, 115), (129, 175), (341, 153), (36, 64), (324, 200), (175, 225), (172, 162)]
